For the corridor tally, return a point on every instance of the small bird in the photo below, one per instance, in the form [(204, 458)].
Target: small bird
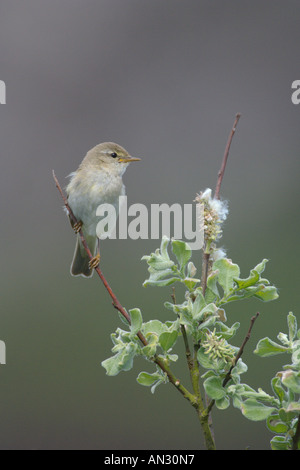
[(98, 180)]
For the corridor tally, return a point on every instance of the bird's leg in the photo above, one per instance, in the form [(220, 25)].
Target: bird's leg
[(94, 263), (78, 226)]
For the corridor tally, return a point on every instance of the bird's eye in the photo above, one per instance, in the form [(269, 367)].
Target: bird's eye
[(114, 155)]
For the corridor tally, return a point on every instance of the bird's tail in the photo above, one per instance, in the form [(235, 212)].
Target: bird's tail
[(80, 263)]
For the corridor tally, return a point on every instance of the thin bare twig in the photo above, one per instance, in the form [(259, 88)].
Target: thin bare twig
[(225, 157)]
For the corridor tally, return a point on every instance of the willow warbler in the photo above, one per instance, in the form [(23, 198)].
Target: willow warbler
[(98, 180)]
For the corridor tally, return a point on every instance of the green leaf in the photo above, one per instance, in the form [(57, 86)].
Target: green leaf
[(279, 443), (225, 331), (228, 272), (239, 368), (123, 319), (292, 325), (261, 266), (151, 380), (168, 339), (152, 330), (136, 320), (146, 379), (162, 283), (173, 325), (161, 274), (223, 403), (237, 391), (294, 406), (207, 311), (283, 338), (198, 305), (266, 347), (205, 360), (256, 411), (209, 322), (213, 387), (191, 283), (119, 339), (170, 306), (172, 357), (150, 350), (286, 414), (296, 354), (182, 251), (164, 247), (191, 270), (183, 311), (260, 395), (278, 389), (212, 293), (249, 281), (208, 363), (153, 388), (291, 380), (163, 271), (157, 262), (123, 360), (275, 425), (266, 293), (155, 327), (237, 401)]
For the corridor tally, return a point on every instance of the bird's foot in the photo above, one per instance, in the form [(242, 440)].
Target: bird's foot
[(78, 226), (94, 263)]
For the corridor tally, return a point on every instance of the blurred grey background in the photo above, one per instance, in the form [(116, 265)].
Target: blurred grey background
[(165, 80)]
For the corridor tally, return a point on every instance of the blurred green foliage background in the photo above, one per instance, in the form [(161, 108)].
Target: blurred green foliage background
[(165, 80)]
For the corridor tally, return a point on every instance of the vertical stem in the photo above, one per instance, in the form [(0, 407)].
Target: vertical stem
[(205, 265), (185, 338), (208, 437), (200, 408), (225, 157)]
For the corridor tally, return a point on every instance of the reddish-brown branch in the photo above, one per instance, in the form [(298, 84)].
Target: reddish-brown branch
[(120, 308), (225, 157), (115, 301)]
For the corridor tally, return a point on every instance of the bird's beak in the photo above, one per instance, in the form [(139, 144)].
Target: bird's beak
[(129, 159)]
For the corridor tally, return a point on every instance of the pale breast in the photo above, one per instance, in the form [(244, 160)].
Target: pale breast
[(87, 191)]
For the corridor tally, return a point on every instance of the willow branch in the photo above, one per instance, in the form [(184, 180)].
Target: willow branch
[(115, 301), (206, 256), (119, 306), (225, 157)]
